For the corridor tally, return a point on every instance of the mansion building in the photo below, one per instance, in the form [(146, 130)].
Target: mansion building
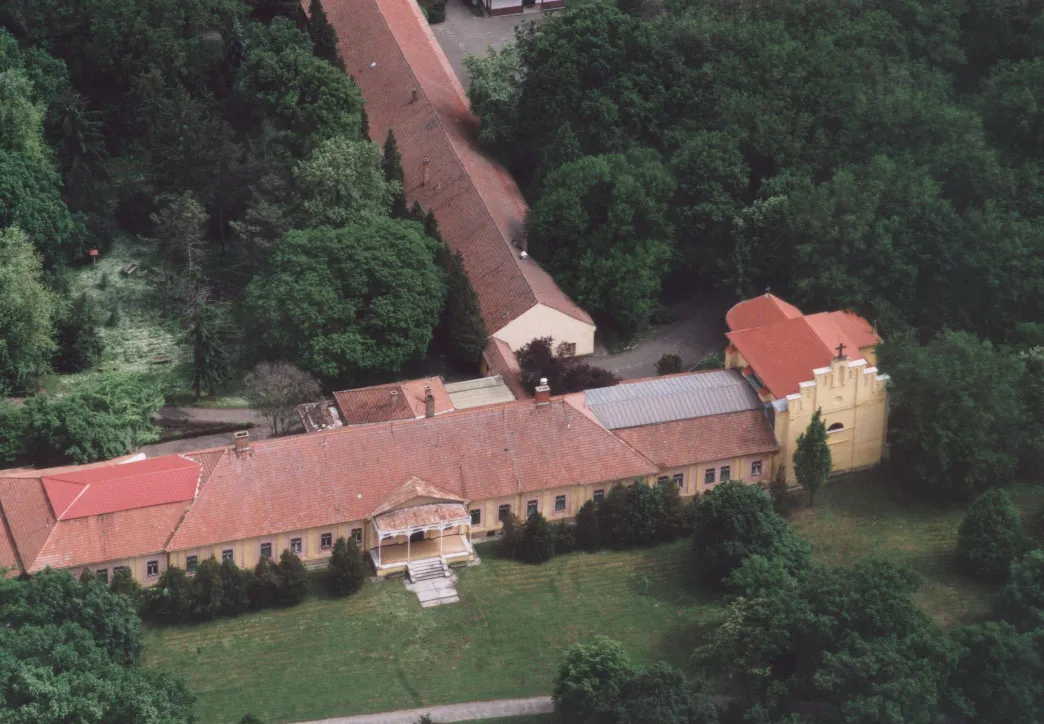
[(411, 476)]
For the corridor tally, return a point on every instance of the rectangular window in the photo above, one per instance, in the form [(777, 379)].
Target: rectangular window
[(725, 473), (476, 516), (226, 555), (755, 469), (502, 512), (295, 546), (190, 563), (152, 568), (679, 480), (531, 508), (357, 536), (599, 496), (662, 481), (708, 476), (559, 503), (117, 569), (102, 574), (326, 541), (266, 550)]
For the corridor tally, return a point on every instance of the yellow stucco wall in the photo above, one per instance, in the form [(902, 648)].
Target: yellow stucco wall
[(542, 321)]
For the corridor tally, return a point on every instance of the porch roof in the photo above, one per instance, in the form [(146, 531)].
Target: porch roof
[(420, 517)]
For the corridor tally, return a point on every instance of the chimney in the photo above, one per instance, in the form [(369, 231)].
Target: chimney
[(242, 441), (414, 95), (424, 173), (543, 393), (429, 402)]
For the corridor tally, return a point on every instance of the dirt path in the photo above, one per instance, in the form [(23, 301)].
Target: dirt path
[(467, 711)]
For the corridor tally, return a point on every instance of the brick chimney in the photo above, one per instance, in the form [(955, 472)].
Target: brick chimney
[(543, 393), (424, 172), (429, 402), (242, 442)]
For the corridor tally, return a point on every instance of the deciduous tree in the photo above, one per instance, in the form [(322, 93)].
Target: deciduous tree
[(27, 308), (342, 182), (990, 536), (276, 389)]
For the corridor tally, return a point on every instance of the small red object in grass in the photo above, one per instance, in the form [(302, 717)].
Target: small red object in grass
[(93, 253)]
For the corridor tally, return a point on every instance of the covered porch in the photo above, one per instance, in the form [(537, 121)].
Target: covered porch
[(421, 532)]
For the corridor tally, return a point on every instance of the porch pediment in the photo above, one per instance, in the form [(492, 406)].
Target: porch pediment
[(434, 516), (414, 493)]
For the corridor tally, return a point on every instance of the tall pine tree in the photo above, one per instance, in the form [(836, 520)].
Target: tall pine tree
[(392, 165), (461, 333), (210, 358), (323, 35), (812, 462)]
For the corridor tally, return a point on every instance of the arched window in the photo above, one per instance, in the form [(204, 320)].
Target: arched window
[(836, 427)]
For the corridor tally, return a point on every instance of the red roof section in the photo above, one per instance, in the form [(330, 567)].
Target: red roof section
[(394, 401), (860, 331), (391, 53), (500, 360), (155, 481), (759, 311), (703, 439)]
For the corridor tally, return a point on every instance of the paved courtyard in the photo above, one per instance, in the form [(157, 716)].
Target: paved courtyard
[(464, 33)]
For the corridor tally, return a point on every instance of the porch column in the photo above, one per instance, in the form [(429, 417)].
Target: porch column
[(442, 534), (380, 539), (409, 536)]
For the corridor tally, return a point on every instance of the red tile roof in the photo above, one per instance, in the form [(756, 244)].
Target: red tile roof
[(394, 401), (410, 490), (860, 331), (500, 360), (325, 478), (391, 53), (759, 311), (703, 439)]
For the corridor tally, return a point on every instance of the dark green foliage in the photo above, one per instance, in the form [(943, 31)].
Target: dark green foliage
[(946, 456), (675, 517), (588, 527), (250, 719), (565, 538), (76, 332), (235, 588), (1021, 603), (207, 591), (565, 374), (124, 584), (208, 338), (586, 679), (735, 521), (266, 586), (669, 364), (347, 572), (461, 333), (664, 695), (510, 545), (990, 536), (392, 165), (293, 579), (13, 434), (997, 676), (538, 540), (323, 35), (170, 600), (812, 462)]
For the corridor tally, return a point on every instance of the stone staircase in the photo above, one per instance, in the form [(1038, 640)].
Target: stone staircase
[(427, 569)]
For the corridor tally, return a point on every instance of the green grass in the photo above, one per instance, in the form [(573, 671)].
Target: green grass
[(864, 516), (531, 719), (379, 650)]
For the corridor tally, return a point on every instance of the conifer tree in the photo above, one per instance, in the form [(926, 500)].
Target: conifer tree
[(265, 584), (210, 359), (208, 591), (538, 540), (323, 35), (235, 586), (293, 579), (346, 573), (588, 527), (812, 462), (392, 165), (79, 345), (461, 333)]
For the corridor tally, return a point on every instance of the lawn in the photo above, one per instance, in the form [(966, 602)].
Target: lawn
[(379, 650), (864, 516)]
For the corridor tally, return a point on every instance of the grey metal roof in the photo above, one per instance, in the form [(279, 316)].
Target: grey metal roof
[(672, 398)]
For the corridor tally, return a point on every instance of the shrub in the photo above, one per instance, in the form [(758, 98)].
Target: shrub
[(669, 364), (585, 678), (538, 540), (293, 579), (735, 521), (347, 571), (170, 600), (207, 591), (632, 515), (511, 536), (250, 719), (565, 538), (675, 516), (265, 586), (588, 527), (990, 536), (663, 694), (1021, 603), (124, 584), (235, 586), (997, 675)]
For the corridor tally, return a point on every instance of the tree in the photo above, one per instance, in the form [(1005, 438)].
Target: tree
[(342, 182), (461, 333), (323, 35), (675, 515), (235, 588), (931, 438), (588, 527), (170, 600), (293, 579), (179, 234), (812, 461), (276, 389), (663, 695), (565, 537), (735, 521), (266, 586), (207, 337), (13, 435), (990, 536), (511, 536), (1021, 603), (76, 332), (538, 540), (493, 92), (346, 302), (26, 311), (346, 573), (124, 584), (391, 163), (207, 591), (997, 676), (600, 226), (588, 679), (668, 364), (564, 374)]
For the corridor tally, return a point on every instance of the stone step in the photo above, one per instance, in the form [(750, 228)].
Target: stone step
[(426, 569)]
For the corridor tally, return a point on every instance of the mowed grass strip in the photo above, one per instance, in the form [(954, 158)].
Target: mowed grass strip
[(379, 650)]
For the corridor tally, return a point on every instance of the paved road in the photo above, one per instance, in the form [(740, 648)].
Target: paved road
[(698, 331), (468, 711), (215, 416)]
